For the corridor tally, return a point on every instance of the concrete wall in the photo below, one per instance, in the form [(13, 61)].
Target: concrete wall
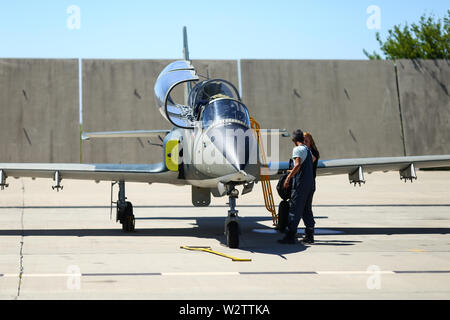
[(351, 107), (118, 95), (425, 103), (39, 119)]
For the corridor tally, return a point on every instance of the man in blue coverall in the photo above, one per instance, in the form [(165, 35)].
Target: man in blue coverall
[(303, 187)]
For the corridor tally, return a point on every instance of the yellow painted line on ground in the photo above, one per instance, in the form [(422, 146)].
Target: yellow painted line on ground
[(209, 250), (416, 250)]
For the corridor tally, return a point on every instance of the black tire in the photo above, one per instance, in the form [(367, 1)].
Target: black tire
[(128, 224), (233, 235), (283, 215), (128, 220)]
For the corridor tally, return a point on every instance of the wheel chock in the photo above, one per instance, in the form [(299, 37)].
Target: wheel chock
[(208, 249)]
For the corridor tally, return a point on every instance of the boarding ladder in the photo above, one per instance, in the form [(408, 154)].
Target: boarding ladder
[(264, 177)]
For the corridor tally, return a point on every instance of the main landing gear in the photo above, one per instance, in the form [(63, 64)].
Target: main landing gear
[(231, 223), (124, 210)]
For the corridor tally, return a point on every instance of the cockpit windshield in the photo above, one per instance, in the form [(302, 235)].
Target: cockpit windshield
[(204, 92), (225, 109)]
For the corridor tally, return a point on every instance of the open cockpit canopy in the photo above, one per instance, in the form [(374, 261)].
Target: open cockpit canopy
[(169, 104), (216, 99)]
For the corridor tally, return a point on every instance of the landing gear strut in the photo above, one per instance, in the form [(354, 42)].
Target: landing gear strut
[(232, 223), (125, 210)]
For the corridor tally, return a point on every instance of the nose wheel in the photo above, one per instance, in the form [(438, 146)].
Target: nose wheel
[(126, 217), (231, 223), (233, 235), (125, 210)]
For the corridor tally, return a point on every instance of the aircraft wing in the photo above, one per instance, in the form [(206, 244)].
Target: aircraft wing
[(149, 173), (124, 134), (355, 168)]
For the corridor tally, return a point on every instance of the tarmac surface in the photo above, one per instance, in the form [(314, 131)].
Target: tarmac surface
[(385, 240)]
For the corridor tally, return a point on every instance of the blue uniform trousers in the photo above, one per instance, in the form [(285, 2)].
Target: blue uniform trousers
[(301, 207)]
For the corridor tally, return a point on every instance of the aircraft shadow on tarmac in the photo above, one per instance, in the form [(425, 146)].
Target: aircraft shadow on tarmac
[(212, 228)]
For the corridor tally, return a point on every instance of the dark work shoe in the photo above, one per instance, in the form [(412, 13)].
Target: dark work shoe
[(307, 240), (309, 236)]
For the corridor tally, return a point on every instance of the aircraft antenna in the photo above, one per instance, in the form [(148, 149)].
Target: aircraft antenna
[(185, 44), (186, 57)]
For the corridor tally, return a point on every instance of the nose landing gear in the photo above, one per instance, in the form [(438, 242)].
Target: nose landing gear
[(231, 223)]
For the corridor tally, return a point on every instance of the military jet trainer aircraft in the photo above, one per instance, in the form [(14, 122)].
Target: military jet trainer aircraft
[(210, 147)]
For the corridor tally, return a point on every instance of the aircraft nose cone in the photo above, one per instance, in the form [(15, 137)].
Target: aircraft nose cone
[(236, 143)]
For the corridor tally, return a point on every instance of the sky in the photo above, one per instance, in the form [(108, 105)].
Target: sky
[(232, 29)]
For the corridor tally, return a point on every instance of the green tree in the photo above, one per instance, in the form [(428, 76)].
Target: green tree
[(429, 39)]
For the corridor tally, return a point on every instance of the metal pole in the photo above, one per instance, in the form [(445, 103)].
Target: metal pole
[(121, 202)]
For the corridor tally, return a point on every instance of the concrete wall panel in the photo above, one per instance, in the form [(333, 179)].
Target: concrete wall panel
[(351, 107), (39, 119), (118, 95), (425, 103)]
